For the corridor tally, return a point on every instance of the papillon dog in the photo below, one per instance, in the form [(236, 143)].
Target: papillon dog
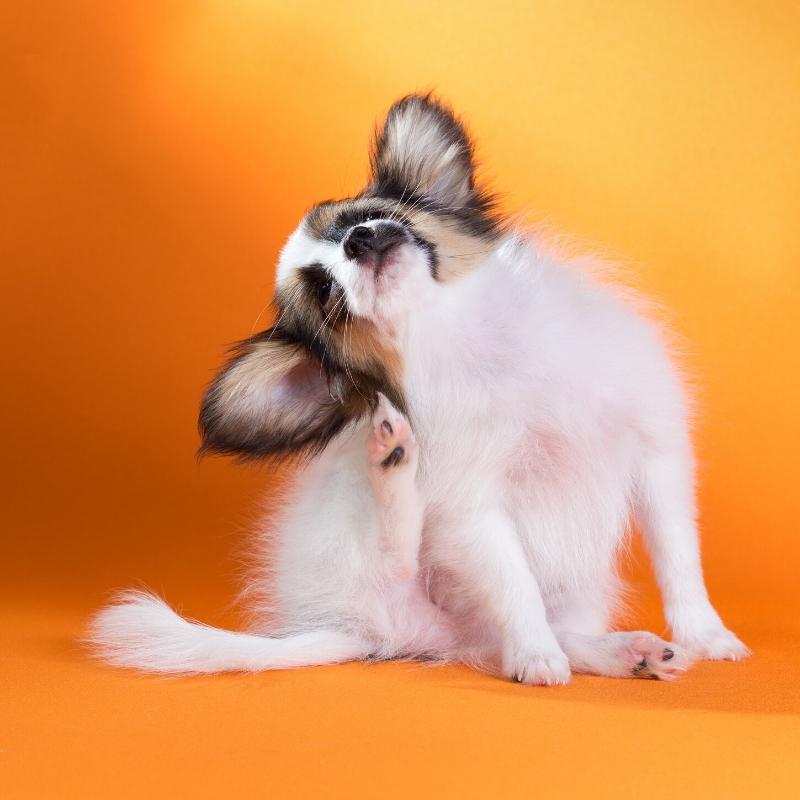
[(477, 422)]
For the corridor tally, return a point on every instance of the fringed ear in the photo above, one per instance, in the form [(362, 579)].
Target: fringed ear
[(273, 399), (423, 151)]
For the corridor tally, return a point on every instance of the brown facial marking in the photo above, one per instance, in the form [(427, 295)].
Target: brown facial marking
[(320, 218), (458, 251), (348, 346)]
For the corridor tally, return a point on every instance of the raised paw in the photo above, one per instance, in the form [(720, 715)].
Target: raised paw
[(647, 656), (391, 443)]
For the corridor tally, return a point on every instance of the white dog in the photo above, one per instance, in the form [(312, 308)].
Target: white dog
[(546, 415)]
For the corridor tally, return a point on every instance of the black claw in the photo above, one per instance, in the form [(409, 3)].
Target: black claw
[(515, 678), (667, 654), (653, 677), (394, 458), (387, 426)]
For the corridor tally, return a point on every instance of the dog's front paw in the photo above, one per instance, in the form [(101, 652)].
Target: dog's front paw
[(714, 644), (546, 667)]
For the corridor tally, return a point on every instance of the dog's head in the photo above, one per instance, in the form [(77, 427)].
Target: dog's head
[(349, 278)]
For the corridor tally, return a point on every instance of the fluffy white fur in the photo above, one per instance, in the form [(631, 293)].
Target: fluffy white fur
[(548, 415)]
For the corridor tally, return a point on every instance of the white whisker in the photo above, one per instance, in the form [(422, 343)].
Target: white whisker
[(325, 321)]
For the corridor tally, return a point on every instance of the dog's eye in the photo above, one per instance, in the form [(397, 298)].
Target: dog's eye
[(322, 288), (323, 291)]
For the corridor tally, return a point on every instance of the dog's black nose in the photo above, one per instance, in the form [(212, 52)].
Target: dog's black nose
[(358, 241), (363, 242)]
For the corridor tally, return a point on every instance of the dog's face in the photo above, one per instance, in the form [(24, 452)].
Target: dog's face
[(349, 279)]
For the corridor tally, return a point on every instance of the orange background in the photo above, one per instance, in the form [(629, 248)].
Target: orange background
[(156, 155)]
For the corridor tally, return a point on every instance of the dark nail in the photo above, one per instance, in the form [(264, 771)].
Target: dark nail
[(394, 458), (667, 655), (386, 425), (642, 665)]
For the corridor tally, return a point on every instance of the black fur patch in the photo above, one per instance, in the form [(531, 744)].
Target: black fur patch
[(331, 220), (430, 250)]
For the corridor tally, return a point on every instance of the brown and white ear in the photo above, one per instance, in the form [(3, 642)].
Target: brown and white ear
[(272, 399), (423, 151)]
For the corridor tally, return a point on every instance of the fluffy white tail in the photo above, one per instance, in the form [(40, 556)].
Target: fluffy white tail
[(139, 630)]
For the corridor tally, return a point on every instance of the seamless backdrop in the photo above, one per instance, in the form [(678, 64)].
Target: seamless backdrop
[(156, 155)]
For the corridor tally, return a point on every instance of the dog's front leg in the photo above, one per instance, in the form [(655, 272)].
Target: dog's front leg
[(482, 547)]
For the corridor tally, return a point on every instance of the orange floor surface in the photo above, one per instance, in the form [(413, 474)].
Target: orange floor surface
[(73, 729), (155, 156)]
